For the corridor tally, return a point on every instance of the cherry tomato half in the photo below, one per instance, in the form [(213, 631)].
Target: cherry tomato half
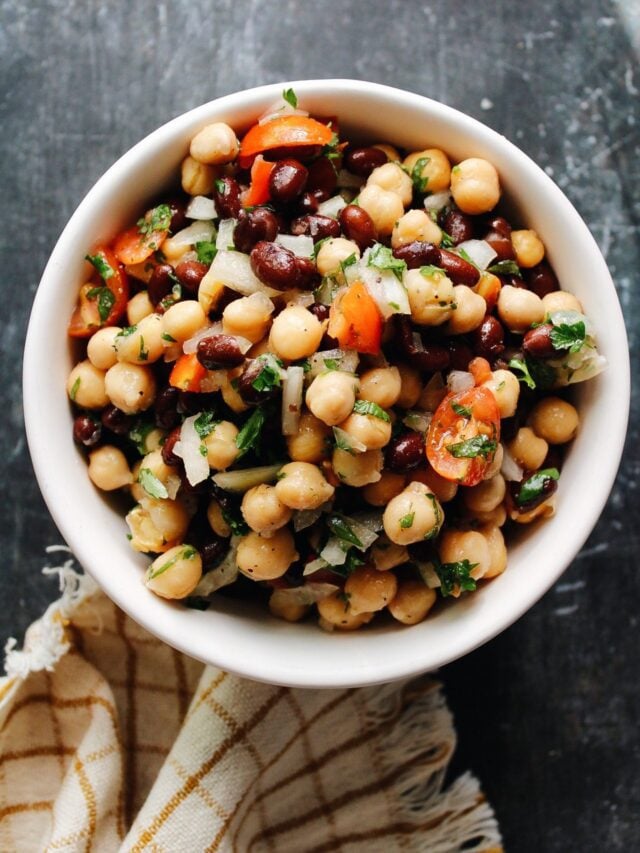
[(136, 244), (355, 321), (103, 301), (299, 132)]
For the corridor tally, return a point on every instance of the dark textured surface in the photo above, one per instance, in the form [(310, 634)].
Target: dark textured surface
[(547, 713)]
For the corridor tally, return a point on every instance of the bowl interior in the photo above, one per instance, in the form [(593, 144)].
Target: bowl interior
[(231, 634)]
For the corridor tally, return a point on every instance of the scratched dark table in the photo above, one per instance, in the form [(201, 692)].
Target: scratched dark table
[(548, 712)]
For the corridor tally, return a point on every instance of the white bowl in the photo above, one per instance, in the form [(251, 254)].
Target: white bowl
[(234, 636)]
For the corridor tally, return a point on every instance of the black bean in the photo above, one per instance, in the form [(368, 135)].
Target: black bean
[(488, 338), (320, 311), (537, 342), (541, 279), (249, 394), (500, 225), (358, 226), (219, 351), (274, 265), (190, 274), (458, 225), (168, 456), (254, 226), (310, 201), (86, 431), (316, 225), (458, 270), (425, 356), (160, 283), (460, 354), (213, 551), (116, 420), (287, 180), (178, 208), (405, 451), (362, 161), (307, 274), (226, 196), (166, 408), (322, 176), (418, 254), (501, 245)]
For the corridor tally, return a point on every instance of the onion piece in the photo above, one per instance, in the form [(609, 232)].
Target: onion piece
[(460, 380), (345, 441), (198, 232), (223, 575), (384, 287), (346, 179), (479, 251), (188, 449), (315, 566), (292, 387), (280, 108), (333, 552), (201, 207), (233, 270), (332, 206), (437, 201), (305, 595), (300, 297), (191, 344), (215, 380), (304, 518), (366, 527), (345, 360), (224, 240), (247, 478), (300, 244), (428, 574), (418, 421), (510, 469)]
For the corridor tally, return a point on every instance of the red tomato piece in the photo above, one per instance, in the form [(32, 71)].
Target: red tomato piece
[(187, 373), (463, 435), (103, 302), (480, 369), (355, 320), (136, 244), (285, 132), (258, 192)]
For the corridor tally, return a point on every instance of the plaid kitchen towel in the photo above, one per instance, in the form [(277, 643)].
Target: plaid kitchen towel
[(112, 741)]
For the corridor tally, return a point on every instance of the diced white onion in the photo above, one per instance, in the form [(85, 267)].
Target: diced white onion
[(460, 380), (214, 380), (332, 206), (418, 421), (300, 244), (436, 201), (333, 552), (479, 251), (191, 345), (429, 575), (241, 481), (201, 207), (347, 442), (591, 367), (346, 360), (510, 469), (233, 270), (280, 108), (188, 449), (365, 528), (315, 566), (304, 518), (223, 575), (305, 595), (384, 287), (172, 352), (292, 387), (346, 179), (224, 240), (301, 297), (198, 232)]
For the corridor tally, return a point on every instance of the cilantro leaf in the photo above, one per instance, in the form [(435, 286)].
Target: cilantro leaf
[(188, 552), (430, 270), (505, 268), (138, 435), (420, 183), (366, 407), (331, 150), (167, 337), (348, 262), (236, 522), (479, 445), (407, 520), (104, 268), (569, 336), (249, 436), (330, 364), (463, 411), (382, 258), (269, 376), (447, 241), (341, 441), (206, 252), (535, 373), (350, 564), (205, 424), (126, 331), (537, 485), (290, 97), (154, 487), (106, 300), (340, 527), (455, 574), (158, 219)]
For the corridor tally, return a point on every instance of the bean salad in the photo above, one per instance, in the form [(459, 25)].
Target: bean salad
[(330, 377)]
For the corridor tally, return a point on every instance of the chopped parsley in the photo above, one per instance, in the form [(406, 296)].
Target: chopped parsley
[(505, 268), (569, 336), (463, 411), (535, 373), (143, 354), (455, 574), (317, 246), (139, 434), (350, 564), (236, 523), (167, 337), (341, 528), (204, 424), (429, 270), (188, 552), (331, 363), (466, 257), (105, 299), (331, 150), (382, 258), (447, 241), (75, 388), (220, 186), (154, 487), (126, 331), (269, 376), (437, 511), (342, 443), (206, 252), (479, 445), (407, 520), (104, 268), (366, 407), (158, 219), (536, 485), (290, 97), (420, 183), (249, 436), (348, 262)]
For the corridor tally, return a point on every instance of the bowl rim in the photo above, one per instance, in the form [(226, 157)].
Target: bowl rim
[(278, 672)]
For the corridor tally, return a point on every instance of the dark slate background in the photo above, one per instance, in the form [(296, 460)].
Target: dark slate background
[(548, 712)]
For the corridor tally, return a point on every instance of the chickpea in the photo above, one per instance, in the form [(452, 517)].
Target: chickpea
[(388, 486), (369, 590), (527, 449), (335, 252), (560, 300), (331, 396), (381, 385), (475, 186), (519, 308), (215, 144), (412, 516), (139, 307), (431, 297), (310, 443), (263, 510), (496, 517), (302, 486), (144, 536), (167, 475), (86, 386), (266, 558), (469, 312), (433, 394), (101, 347), (108, 468), (197, 178), (554, 420), (169, 517), (410, 387), (373, 432), (231, 396), (487, 495), (436, 171), (458, 545), (335, 612), (547, 509), (357, 469), (392, 178), (506, 390), (182, 320), (495, 465), (528, 247), (282, 606), (216, 520), (296, 333), (141, 344), (497, 551), (387, 555), (412, 601), (415, 225), (384, 207), (175, 573), (221, 445), (445, 490), (174, 249), (393, 155), (248, 317), (130, 387)]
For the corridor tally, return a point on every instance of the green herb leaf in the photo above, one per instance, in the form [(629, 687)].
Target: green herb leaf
[(188, 552), (419, 183), (138, 435), (317, 246), (350, 564), (439, 515), (203, 450), (331, 363), (382, 258), (479, 445), (341, 528), (205, 424), (106, 300), (158, 219), (331, 150), (305, 364), (167, 337), (341, 441), (206, 252), (536, 485), (105, 270), (447, 241), (236, 522), (535, 373), (407, 520), (269, 376), (290, 97), (455, 574), (143, 354), (429, 270), (366, 407), (466, 257), (74, 389), (151, 484), (249, 436), (505, 268), (569, 336), (126, 331), (463, 411), (348, 262)]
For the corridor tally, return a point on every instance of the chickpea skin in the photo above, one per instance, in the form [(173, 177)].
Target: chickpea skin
[(248, 317), (381, 385), (217, 521), (528, 449), (182, 320), (528, 247), (414, 515), (486, 496), (436, 171), (109, 469), (445, 490), (215, 144), (415, 225), (335, 252), (139, 307), (387, 555), (266, 558), (560, 300), (221, 445), (432, 297), (197, 178), (86, 386), (458, 545), (388, 486), (497, 550), (311, 442), (130, 387), (519, 308), (392, 178), (175, 573), (358, 469), (554, 420), (331, 396), (101, 347), (335, 613), (302, 486), (410, 387), (373, 432), (384, 207), (412, 602), (295, 333), (475, 186), (469, 312), (263, 510), (506, 389), (369, 590)]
